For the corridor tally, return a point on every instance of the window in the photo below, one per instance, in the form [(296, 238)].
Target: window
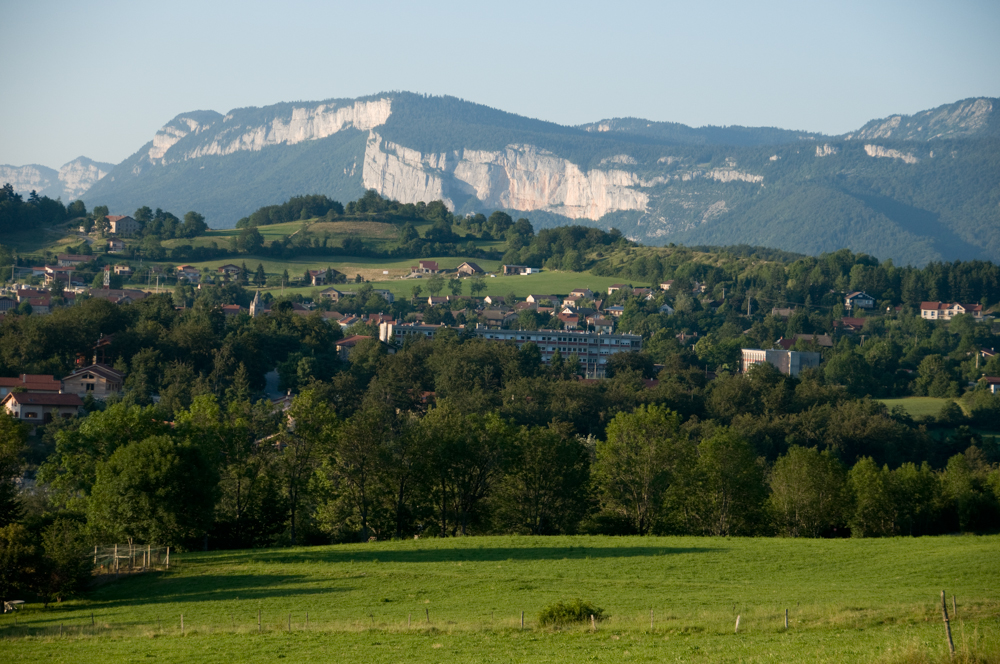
[(90, 387), (31, 415)]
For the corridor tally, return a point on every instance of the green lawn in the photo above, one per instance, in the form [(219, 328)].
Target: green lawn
[(918, 406), (848, 601)]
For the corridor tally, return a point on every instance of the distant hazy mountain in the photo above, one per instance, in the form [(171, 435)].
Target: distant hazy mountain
[(912, 188), (69, 182)]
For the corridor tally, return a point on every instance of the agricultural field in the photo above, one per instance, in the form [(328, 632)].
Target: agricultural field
[(919, 406), (461, 600)]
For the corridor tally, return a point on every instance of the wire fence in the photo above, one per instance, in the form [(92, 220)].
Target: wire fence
[(129, 558)]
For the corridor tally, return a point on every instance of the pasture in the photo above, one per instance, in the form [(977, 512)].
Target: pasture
[(460, 600), (919, 406)]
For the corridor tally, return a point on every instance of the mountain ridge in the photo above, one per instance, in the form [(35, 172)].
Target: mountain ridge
[(913, 188)]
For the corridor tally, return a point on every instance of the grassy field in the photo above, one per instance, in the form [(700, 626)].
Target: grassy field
[(919, 406), (460, 600)]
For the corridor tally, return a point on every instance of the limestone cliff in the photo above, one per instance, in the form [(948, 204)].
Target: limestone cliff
[(520, 177), (964, 118), (68, 183)]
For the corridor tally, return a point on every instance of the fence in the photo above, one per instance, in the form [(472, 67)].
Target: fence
[(129, 558)]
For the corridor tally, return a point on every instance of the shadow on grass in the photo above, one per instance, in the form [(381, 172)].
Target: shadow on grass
[(418, 554), (169, 589)]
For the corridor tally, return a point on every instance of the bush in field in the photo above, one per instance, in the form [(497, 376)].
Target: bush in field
[(567, 613)]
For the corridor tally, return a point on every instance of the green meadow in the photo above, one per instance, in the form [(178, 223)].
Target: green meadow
[(460, 600)]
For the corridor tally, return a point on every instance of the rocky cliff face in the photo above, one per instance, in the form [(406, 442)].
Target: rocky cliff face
[(68, 183), (964, 118), (520, 177)]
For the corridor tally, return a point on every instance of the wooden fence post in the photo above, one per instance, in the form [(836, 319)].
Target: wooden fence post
[(737, 630), (786, 618), (947, 625), (168, 557), (182, 624), (258, 621), (593, 623), (428, 613), (522, 619), (650, 620)]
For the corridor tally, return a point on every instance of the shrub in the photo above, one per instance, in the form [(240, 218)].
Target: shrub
[(570, 612)]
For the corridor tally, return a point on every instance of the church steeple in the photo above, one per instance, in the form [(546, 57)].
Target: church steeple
[(255, 305)]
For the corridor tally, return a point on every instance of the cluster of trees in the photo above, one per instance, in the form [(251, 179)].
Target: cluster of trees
[(17, 214)]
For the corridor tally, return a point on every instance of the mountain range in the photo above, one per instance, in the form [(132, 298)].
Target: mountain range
[(917, 188)]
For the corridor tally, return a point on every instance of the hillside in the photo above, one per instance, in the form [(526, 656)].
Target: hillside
[(912, 188)]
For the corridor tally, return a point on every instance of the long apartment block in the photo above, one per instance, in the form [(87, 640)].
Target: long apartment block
[(593, 348)]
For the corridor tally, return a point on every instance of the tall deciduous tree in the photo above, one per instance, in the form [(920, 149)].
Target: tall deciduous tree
[(154, 490), (637, 463), (308, 434), (808, 492)]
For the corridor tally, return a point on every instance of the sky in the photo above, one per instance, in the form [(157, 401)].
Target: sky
[(100, 78)]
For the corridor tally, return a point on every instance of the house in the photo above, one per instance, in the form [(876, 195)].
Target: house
[(666, 309), (617, 287), (947, 311), (7, 303), (496, 317), (646, 293), (118, 295), (821, 340), (469, 269), (31, 383), (335, 295), (188, 272), (538, 299), (859, 299), (346, 345), (494, 299), (387, 295), (582, 293), (40, 305), (115, 246), (63, 274), (667, 285), (317, 277), (425, 267), (98, 380), (229, 270), (782, 312), (519, 270), (569, 321), (992, 383), (615, 311), (435, 300), (40, 407), (72, 260), (123, 225), (788, 362), (123, 270), (849, 324), (230, 310), (601, 324)]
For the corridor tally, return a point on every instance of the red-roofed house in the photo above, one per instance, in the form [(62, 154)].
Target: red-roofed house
[(123, 225), (991, 382), (31, 383), (947, 311), (425, 267), (41, 408), (72, 260)]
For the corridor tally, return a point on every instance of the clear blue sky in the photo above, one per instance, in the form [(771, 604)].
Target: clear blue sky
[(99, 78)]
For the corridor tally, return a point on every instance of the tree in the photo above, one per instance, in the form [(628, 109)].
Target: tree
[(636, 464), (808, 492), (307, 435), (455, 286), (415, 291), (477, 286), (154, 490), (18, 561), (544, 489), (874, 509), (435, 284), (194, 225), (259, 277), (724, 493), (13, 435), (65, 568)]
